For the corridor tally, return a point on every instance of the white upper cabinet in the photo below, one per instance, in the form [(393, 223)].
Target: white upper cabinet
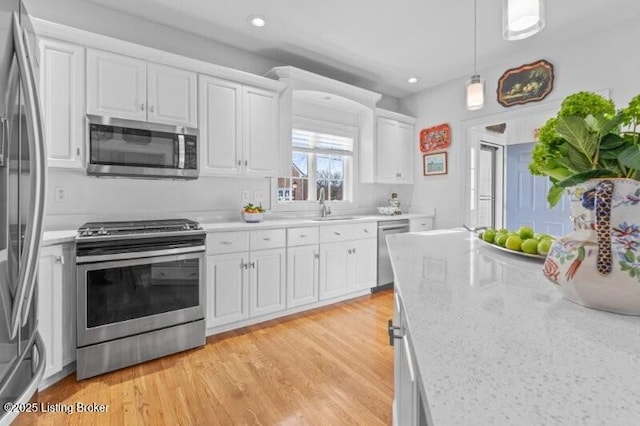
[(171, 96), (220, 127), (395, 147), (116, 85), (62, 96), (124, 87), (260, 132), (238, 129)]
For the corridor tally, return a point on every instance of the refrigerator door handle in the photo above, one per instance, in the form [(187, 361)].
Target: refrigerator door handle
[(26, 394), (37, 160)]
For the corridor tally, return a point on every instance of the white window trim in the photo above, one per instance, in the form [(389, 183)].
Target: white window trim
[(338, 129)]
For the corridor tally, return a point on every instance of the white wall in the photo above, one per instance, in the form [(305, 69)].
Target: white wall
[(605, 60)]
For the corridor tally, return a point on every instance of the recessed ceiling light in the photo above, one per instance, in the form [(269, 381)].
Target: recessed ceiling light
[(257, 21), (413, 80)]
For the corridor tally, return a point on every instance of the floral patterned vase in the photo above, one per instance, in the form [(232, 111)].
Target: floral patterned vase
[(598, 264)]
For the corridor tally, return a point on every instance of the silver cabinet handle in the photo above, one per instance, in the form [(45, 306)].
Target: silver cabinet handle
[(59, 260), (253, 264), (239, 162), (77, 152), (4, 137), (141, 107), (151, 108), (226, 243), (391, 331), (354, 251), (246, 162), (37, 164), (303, 235), (337, 233), (349, 251), (267, 239), (366, 231)]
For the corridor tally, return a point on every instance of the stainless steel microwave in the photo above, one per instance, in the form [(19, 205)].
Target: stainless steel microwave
[(119, 147)]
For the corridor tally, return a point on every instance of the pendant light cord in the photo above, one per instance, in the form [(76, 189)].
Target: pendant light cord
[(475, 37)]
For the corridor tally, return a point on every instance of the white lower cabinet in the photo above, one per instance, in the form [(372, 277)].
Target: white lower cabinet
[(421, 224), (347, 266), (245, 284), (56, 299), (407, 402), (266, 281), (227, 288), (302, 275)]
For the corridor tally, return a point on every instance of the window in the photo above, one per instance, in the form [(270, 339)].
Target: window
[(322, 157)]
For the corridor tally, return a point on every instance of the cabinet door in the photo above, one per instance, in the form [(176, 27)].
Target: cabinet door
[(220, 128), (420, 224), (69, 307), (406, 147), (62, 98), (364, 256), (387, 151), (171, 96), (267, 282), (116, 85), (260, 144), (334, 270), (302, 275), (50, 306), (405, 385), (227, 289)]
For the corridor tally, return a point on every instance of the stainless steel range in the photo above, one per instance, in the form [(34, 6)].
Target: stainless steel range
[(141, 292)]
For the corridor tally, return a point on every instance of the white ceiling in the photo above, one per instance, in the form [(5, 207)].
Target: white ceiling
[(378, 44)]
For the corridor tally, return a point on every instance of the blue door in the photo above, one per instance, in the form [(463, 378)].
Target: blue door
[(526, 196)]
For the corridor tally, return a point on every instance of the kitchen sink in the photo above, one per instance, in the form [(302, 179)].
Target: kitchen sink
[(329, 218)]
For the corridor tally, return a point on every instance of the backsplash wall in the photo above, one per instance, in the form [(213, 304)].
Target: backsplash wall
[(205, 199)]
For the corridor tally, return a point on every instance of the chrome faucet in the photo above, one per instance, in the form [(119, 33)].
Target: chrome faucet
[(325, 209)]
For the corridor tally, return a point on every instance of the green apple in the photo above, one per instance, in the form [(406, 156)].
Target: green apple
[(530, 245), (544, 246), (525, 232), (513, 243), (489, 235), (501, 239)]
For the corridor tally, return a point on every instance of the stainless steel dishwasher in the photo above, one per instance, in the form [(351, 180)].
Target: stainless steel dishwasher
[(385, 273)]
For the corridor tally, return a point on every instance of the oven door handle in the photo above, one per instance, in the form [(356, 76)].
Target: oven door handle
[(138, 254)]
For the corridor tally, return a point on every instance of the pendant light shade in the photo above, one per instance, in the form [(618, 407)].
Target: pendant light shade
[(475, 93), (475, 85), (522, 18)]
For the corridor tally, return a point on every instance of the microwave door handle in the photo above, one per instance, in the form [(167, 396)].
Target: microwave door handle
[(37, 157), (181, 151)]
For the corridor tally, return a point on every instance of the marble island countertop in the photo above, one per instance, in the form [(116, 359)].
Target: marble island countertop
[(496, 343), (65, 236)]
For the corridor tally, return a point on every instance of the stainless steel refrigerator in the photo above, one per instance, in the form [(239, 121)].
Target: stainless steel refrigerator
[(22, 186)]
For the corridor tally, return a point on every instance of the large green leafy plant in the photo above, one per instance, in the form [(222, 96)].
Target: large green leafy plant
[(587, 139)]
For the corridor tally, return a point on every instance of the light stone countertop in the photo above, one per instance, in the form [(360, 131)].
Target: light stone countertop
[(497, 344), (67, 236)]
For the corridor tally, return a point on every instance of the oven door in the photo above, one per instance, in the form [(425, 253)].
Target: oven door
[(121, 298)]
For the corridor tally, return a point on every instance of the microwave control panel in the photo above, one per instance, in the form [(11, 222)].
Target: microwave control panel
[(190, 153)]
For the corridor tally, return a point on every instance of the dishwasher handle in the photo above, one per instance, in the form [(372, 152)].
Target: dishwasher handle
[(389, 228)]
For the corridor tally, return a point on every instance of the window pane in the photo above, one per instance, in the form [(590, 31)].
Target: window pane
[(300, 164), (322, 184), (299, 189)]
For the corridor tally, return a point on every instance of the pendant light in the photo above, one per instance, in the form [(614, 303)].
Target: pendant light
[(475, 85), (522, 18)]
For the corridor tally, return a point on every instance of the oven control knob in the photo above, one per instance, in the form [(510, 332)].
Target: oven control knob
[(102, 231)]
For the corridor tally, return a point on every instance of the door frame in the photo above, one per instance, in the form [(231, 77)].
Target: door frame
[(469, 128)]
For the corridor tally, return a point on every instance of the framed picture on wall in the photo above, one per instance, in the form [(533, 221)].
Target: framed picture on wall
[(434, 164)]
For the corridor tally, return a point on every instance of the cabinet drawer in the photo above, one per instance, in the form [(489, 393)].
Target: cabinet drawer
[(302, 236), (352, 231), (420, 224), (227, 242), (268, 238)]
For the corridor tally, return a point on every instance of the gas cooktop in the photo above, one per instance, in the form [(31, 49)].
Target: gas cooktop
[(94, 229)]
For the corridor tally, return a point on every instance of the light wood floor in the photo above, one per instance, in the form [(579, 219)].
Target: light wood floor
[(330, 366)]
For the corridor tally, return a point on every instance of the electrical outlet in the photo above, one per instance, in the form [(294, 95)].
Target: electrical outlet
[(258, 196), (61, 194), (245, 196)]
